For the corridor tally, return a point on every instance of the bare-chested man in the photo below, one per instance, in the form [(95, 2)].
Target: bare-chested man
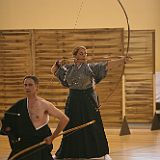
[(29, 125)]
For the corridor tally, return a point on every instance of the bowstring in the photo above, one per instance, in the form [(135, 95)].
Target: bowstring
[(78, 15), (75, 24)]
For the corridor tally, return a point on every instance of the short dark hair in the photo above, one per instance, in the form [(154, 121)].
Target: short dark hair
[(35, 79)]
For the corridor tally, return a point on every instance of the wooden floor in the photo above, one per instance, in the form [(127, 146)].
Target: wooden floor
[(141, 144)]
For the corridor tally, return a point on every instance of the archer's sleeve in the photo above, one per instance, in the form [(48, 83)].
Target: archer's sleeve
[(99, 70), (61, 75)]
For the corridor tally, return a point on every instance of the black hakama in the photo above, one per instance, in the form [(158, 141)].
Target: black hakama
[(89, 142)]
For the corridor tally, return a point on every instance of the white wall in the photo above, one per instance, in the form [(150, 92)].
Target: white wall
[(34, 14), (158, 87)]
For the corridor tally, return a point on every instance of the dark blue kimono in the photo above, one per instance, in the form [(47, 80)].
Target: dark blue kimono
[(81, 107), (22, 134)]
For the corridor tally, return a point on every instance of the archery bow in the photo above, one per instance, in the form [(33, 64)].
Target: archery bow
[(127, 48), (128, 27), (44, 142)]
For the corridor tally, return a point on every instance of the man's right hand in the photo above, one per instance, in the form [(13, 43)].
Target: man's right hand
[(49, 140)]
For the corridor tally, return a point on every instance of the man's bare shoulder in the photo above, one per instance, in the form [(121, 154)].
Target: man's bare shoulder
[(45, 102)]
